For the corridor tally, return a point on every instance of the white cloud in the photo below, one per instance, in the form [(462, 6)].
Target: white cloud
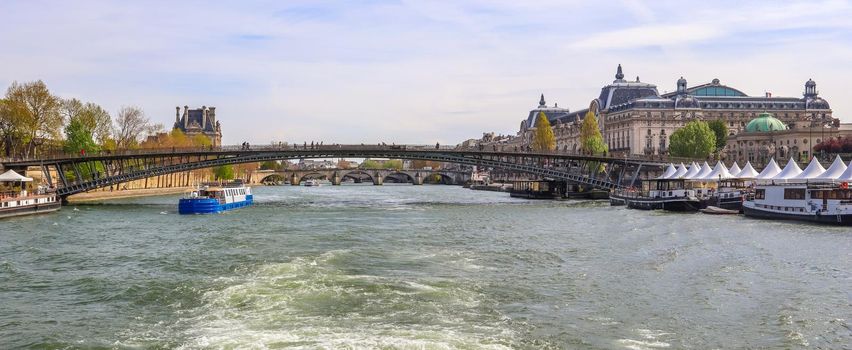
[(411, 71)]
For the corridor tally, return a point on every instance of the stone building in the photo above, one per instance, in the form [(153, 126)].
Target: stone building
[(528, 125), (635, 118), (767, 137), (199, 121)]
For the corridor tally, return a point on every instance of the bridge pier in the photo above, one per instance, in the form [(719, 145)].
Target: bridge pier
[(294, 180), (418, 179), (378, 180), (335, 179)]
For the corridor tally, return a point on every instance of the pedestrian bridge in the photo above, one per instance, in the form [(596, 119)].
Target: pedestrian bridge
[(80, 173)]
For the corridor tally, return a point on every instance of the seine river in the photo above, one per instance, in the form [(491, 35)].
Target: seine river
[(418, 267)]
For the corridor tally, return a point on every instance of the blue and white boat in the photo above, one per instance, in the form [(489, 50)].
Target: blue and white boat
[(211, 200)]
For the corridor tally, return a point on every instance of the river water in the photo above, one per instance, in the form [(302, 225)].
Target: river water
[(418, 267)]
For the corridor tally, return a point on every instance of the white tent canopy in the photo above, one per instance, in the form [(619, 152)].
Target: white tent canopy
[(12, 176), (834, 171), (847, 175), (734, 169), (705, 170), (669, 172), (748, 171), (693, 170), (814, 169), (681, 170), (720, 172), (790, 171), (769, 171)]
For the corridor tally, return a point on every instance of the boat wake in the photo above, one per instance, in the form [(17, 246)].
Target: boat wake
[(312, 302)]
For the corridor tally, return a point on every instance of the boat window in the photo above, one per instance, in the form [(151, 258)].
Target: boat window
[(760, 193), (794, 193)]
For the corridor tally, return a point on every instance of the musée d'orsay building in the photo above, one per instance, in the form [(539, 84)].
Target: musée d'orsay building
[(635, 118)]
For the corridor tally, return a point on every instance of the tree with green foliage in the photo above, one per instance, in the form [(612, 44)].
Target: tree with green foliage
[(695, 140), (370, 164), (395, 164), (32, 114), (387, 164), (720, 130), (91, 116), (591, 139), (543, 138), (271, 165), (78, 138), (224, 172)]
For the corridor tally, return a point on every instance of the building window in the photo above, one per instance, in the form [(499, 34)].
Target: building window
[(794, 193)]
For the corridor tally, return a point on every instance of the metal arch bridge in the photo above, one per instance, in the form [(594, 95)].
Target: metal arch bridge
[(75, 174)]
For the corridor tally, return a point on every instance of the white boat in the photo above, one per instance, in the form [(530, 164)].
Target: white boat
[(21, 201), (815, 195), (312, 183)]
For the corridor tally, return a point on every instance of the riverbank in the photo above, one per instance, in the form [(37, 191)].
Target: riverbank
[(144, 192)]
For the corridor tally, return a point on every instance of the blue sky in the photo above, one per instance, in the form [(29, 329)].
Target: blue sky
[(411, 72)]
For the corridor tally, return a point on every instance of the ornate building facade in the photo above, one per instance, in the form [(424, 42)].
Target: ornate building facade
[(635, 118), (199, 121)]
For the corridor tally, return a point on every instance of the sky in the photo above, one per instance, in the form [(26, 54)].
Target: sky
[(408, 71)]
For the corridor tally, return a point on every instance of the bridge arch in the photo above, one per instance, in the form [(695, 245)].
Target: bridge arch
[(409, 177), (321, 175), (351, 174), (274, 178)]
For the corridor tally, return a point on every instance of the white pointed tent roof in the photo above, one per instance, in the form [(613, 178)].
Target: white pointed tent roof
[(681, 170), (705, 170), (814, 169), (720, 172), (847, 175), (669, 172), (748, 172), (790, 171), (693, 170), (734, 169), (769, 171), (11, 175), (834, 171)]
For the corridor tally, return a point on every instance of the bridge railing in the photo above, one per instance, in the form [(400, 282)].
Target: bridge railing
[(343, 147)]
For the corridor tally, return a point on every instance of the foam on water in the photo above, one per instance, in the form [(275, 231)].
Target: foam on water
[(312, 302)]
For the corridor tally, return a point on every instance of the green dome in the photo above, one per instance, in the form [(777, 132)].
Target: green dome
[(765, 122)]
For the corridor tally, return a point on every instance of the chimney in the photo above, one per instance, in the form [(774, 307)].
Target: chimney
[(177, 115), (213, 116), (185, 117), (203, 117)]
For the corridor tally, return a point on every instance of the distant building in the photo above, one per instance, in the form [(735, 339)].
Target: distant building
[(199, 121), (635, 118), (767, 137)]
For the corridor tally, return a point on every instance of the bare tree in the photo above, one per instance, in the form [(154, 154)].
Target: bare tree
[(130, 126)]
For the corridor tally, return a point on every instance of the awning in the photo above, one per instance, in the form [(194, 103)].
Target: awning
[(12, 176)]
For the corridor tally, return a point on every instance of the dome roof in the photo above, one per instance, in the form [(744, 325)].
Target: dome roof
[(817, 103), (765, 122)]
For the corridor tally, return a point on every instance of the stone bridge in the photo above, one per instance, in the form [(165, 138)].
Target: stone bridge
[(376, 176)]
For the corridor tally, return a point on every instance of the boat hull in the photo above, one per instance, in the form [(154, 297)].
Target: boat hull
[(841, 220), (210, 205), (30, 209)]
